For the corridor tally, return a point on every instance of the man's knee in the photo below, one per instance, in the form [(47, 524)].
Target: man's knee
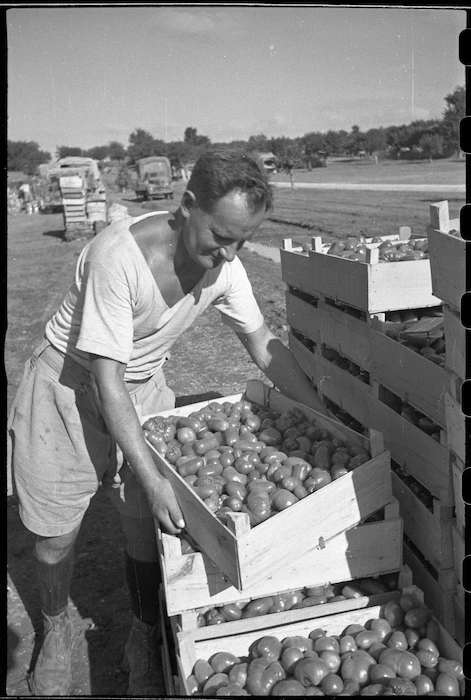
[(51, 550)]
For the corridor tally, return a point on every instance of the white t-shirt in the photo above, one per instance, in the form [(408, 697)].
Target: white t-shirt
[(114, 307)]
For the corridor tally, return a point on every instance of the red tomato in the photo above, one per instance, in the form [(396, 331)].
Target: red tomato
[(310, 671), (332, 684)]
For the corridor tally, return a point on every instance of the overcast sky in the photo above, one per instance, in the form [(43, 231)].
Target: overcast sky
[(85, 76)]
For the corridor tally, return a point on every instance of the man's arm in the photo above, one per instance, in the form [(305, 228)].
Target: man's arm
[(281, 367), (123, 423)]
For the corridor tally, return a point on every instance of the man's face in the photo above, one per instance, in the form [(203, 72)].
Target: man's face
[(211, 239)]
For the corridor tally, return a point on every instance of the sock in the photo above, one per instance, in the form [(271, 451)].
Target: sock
[(143, 580), (54, 584)]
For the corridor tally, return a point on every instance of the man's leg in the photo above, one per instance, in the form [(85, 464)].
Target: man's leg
[(143, 576), (54, 567)]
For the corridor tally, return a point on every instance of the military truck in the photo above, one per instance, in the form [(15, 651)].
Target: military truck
[(154, 178)]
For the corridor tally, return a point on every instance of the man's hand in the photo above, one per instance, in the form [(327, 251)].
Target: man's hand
[(164, 505)]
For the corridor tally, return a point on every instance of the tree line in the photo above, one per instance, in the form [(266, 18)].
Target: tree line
[(434, 138)]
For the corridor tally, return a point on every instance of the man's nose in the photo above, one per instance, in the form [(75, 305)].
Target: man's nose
[(228, 252)]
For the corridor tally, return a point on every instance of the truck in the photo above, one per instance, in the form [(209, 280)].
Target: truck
[(74, 186), (154, 178)]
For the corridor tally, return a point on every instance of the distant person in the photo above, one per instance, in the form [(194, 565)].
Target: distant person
[(289, 165), (25, 193), (76, 419)]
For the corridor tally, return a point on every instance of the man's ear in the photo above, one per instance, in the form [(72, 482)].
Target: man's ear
[(187, 202)]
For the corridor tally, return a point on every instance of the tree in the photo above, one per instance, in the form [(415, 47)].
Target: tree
[(25, 156), (314, 147), (98, 152), (431, 145), (66, 151), (258, 142), (143, 144), (453, 113), (375, 142), (116, 150)]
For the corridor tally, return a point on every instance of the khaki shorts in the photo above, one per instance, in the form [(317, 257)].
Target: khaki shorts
[(61, 450)]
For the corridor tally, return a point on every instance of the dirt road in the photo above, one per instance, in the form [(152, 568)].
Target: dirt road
[(374, 187)]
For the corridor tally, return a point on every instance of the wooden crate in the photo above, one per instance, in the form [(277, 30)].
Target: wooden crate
[(460, 629), (439, 587), (413, 377), (457, 468), (455, 427), (371, 287), (327, 324), (245, 554), (192, 581), (416, 452), (345, 390), (455, 342), (190, 648), (447, 256), (430, 531)]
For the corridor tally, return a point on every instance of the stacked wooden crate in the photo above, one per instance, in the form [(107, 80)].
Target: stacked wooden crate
[(234, 563), (448, 268), (73, 190), (345, 320)]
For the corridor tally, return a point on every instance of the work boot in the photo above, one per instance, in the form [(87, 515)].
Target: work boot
[(143, 661), (52, 674)]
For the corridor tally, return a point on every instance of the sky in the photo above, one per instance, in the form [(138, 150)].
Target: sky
[(85, 76)]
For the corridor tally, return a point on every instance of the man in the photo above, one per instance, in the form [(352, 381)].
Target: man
[(76, 420)]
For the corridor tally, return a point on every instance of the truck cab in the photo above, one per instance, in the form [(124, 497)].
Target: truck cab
[(154, 178)]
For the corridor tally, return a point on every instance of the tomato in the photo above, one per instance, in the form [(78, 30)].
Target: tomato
[(202, 670), (213, 617), (400, 686), (365, 639), (447, 684), (214, 683), (212, 468), (230, 612), (427, 658), (432, 630), (257, 607), (326, 643), (282, 473), (261, 485), (423, 685), (416, 617), (397, 640), (403, 663), (282, 499), (243, 464), (185, 435), (412, 636), (309, 601), (310, 671), (270, 436), (316, 633), (238, 674), (393, 613), (290, 656), (332, 684), (292, 598), (381, 673), (299, 642), (262, 675), (347, 643), (331, 659), (381, 627), (223, 661), (356, 667), (231, 690), (376, 649), (452, 667), (354, 629), (407, 602), (268, 647)]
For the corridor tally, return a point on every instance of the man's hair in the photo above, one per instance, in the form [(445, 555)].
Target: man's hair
[(220, 170)]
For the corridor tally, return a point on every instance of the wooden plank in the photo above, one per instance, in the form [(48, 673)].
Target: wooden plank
[(455, 342), (329, 325), (189, 649), (457, 475), (165, 649), (455, 427), (431, 534), (304, 356), (411, 376), (415, 451), (437, 598), (192, 581), (459, 621), (448, 265), (248, 558)]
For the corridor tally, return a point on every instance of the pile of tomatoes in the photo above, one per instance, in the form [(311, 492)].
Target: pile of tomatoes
[(396, 654), (299, 598), (355, 249), (241, 457)]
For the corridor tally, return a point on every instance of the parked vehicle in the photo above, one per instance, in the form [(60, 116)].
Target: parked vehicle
[(154, 178)]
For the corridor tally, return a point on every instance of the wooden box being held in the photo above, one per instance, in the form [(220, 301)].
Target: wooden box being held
[(248, 555)]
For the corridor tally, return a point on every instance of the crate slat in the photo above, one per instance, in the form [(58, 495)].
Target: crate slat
[(457, 475), (430, 531), (455, 342), (458, 554)]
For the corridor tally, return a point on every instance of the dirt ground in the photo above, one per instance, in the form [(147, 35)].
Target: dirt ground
[(207, 361)]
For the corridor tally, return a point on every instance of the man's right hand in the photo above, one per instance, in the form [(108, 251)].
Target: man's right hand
[(164, 505)]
